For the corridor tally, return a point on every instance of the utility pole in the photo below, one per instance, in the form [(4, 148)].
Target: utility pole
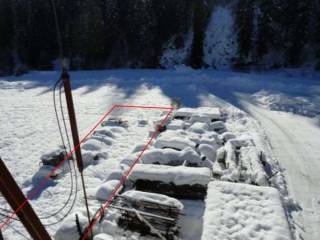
[(16, 199), (74, 130)]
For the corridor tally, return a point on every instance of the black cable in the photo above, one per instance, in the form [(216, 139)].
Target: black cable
[(9, 216), (48, 224), (20, 233), (55, 110), (62, 114)]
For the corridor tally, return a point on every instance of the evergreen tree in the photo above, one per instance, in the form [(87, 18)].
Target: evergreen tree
[(244, 21), (264, 28), (200, 19), (6, 36), (296, 29)]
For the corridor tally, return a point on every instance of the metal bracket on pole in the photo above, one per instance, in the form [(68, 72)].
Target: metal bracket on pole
[(16, 199)]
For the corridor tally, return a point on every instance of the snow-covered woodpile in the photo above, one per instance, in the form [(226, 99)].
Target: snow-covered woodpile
[(236, 211), (93, 149), (195, 158), (149, 213), (175, 181)]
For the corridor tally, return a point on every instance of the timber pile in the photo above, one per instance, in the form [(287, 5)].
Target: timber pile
[(179, 182), (143, 212), (195, 191)]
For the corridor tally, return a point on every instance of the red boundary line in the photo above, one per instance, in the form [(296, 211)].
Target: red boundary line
[(124, 177), (45, 179)]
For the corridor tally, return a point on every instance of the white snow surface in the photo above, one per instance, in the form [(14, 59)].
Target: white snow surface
[(291, 142), (241, 211)]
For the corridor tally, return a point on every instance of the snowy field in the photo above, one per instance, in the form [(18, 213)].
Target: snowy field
[(279, 111)]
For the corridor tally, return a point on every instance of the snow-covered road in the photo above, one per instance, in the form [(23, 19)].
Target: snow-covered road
[(295, 143)]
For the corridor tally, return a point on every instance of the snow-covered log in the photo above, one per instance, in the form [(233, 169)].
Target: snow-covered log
[(179, 182), (172, 157), (238, 161), (202, 114), (147, 198), (178, 143), (149, 213), (179, 175)]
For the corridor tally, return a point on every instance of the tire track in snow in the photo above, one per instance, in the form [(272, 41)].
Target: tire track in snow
[(294, 140)]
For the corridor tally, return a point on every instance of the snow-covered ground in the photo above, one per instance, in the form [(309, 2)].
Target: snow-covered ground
[(28, 127), (295, 142)]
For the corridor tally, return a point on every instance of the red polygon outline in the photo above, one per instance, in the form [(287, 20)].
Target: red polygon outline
[(123, 179)]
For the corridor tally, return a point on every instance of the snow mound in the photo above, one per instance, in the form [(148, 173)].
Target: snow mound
[(199, 127), (209, 151), (106, 131), (68, 228), (103, 236), (198, 114), (171, 157), (93, 145), (226, 136), (241, 211), (90, 156), (153, 198), (179, 175), (106, 189), (217, 126), (178, 143), (103, 139), (176, 124)]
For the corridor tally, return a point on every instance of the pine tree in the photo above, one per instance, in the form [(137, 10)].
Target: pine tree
[(200, 19), (296, 30), (264, 28), (6, 37), (244, 20)]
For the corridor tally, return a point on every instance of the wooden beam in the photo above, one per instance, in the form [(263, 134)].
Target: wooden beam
[(1, 237), (16, 199)]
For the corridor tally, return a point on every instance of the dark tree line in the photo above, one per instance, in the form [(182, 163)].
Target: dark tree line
[(278, 33), (133, 33)]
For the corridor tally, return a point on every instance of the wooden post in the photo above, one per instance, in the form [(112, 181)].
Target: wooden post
[(1, 237), (16, 199), (72, 116), (74, 130)]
